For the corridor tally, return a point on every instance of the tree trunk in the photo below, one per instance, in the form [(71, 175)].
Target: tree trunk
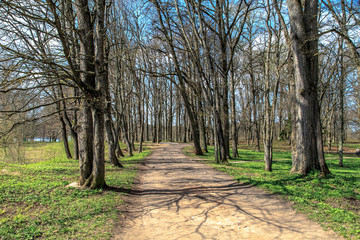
[(110, 137), (87, 51), (233, 116), (155, 120), (141, 124), (73, 127), (267, 133), (147, 119), (65, 138), (218, 126), (98, 171), (254, 107), (171, 118), (341, 110), (304, 35), (98, 104), (159, 124), (329, 135), (85, 143), (216, 145), (76, 146), (178, 116), (116, 134), (126, 135), (202, 125), (61, 106)]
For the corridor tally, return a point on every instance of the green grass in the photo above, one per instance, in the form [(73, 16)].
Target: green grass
[(333, 201), (35, 202), (352, 145)]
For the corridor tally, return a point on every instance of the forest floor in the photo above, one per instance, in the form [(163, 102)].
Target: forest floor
[(177, 197)]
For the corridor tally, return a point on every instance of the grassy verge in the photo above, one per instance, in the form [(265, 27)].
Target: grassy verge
[(35, 202), (333, 201)]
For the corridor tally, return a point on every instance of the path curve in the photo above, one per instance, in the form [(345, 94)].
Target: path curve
[(181, 198)]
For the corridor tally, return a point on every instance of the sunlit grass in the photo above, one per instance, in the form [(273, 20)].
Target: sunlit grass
[(35, 202)]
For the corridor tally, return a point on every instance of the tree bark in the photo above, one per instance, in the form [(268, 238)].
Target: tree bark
[(233, 116), (98, 104), (111, 139), (267, 132), (87, 68), (171, 118), (65, 137), (116, 134), (124, 125), (304, 36), (98, 171), (85, 142), (253, 101), (202, 125), (341, 110)]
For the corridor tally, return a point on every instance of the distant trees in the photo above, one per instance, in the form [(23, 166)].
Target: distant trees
[(208, 36)]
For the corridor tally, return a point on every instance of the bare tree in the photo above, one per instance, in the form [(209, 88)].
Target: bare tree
[(304, 37)]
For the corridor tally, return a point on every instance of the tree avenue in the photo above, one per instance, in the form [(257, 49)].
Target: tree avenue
[(211, 72)]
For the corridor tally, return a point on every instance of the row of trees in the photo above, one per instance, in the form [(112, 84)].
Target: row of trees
[(210, 72)]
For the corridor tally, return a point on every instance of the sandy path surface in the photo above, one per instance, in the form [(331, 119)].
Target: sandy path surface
[(179, 198)]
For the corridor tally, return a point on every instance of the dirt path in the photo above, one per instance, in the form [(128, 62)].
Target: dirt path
[(180, 198)]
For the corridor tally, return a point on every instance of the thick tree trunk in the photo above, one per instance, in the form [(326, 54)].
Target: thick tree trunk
[(225, 103), (98, 171), (218, 126), (87, 77), (225, 113), (304, 35), (98, 104), (85, 143)]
